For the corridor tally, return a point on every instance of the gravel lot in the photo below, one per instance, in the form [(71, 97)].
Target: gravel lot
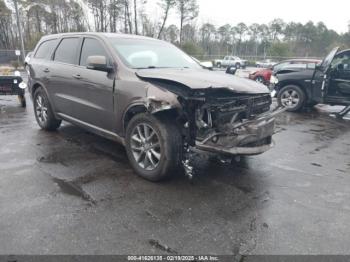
[(71, 192)]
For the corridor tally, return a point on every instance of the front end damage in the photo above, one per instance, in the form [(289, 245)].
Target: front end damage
[(228, 123), (219, 120)]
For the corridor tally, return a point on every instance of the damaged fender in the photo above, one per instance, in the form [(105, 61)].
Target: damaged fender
[(159, 99)]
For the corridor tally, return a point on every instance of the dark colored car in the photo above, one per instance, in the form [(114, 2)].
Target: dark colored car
[(150, 96), (13, 85), (327, 83), (287, 66)]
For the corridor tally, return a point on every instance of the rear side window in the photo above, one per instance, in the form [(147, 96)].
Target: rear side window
[(66, 52), (45, 49), (91, 47)]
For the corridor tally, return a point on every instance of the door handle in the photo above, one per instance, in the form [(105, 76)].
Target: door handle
[(77, 76), (46, 70)]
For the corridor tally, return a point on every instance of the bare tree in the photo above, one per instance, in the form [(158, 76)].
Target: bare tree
[(240, 30), (166, 6), (171, 33), (188, 10), (135, 17)]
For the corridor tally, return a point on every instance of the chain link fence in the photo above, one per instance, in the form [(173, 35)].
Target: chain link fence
[(9, 57), (251, 58)]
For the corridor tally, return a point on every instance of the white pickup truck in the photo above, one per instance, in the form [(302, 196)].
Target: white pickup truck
[(230, 61)]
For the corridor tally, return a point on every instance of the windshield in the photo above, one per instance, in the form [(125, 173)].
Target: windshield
[(143, 54)]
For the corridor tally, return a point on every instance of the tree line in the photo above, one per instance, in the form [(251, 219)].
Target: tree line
[(277, 38)]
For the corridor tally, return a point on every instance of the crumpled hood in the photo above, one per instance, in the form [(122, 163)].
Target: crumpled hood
[(201, 78)]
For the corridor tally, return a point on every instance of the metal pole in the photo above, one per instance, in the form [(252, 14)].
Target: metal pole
[(19, 31)]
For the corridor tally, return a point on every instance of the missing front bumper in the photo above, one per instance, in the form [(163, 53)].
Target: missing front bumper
[(251, 137), (257, 150)]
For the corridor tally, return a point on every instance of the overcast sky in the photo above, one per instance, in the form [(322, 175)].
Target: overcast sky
[(335, 14)]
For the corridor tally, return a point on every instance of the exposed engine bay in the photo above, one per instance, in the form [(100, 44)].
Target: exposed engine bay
[(220, 120)]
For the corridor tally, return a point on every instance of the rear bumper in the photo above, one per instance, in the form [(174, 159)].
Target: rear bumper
[(251, 137)]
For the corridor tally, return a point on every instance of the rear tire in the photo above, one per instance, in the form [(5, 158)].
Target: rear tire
[(238, 65), (218, 65), (154, 146), (292, 97), (43, 111)]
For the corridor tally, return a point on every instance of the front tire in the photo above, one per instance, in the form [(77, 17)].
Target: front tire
[(154, 146), (43, 111), (218, 65), (292, 97), (238, 65)]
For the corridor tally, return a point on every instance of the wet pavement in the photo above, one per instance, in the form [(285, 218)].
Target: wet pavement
[(71, 192)]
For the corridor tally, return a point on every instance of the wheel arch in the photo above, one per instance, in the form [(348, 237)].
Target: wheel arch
[(35, 87), (140, 108), (298, 84)]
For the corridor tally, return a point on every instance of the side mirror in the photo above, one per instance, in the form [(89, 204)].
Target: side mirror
[(98, 63)]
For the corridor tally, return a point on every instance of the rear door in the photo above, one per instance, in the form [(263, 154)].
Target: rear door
[(93, 90), (64, 67), (40, 66)]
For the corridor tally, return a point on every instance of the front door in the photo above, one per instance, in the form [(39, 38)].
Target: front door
[(93, 90), (320, 80), (339, 82)]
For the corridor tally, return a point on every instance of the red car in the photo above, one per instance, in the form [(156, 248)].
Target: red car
[(264, 75)]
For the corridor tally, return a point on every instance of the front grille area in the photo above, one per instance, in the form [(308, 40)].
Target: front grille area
[(261, 104), (247, 106)]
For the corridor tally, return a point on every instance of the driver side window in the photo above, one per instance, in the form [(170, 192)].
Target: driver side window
[(341, 62), (91, 47)]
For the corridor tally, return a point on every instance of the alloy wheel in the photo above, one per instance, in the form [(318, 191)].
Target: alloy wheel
[(145, 146), (41, 109), (290, 98)]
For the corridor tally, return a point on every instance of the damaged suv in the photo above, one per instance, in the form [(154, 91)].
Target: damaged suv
[(150, 96)]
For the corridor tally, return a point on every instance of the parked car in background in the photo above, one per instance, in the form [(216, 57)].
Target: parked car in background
[(11, 83), (326, 83), (292, 65), (231, 61), (267, 63), (150, 96), (262, 76), (27, 60)]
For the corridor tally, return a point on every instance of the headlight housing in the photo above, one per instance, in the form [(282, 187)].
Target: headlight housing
[(22, 85)]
